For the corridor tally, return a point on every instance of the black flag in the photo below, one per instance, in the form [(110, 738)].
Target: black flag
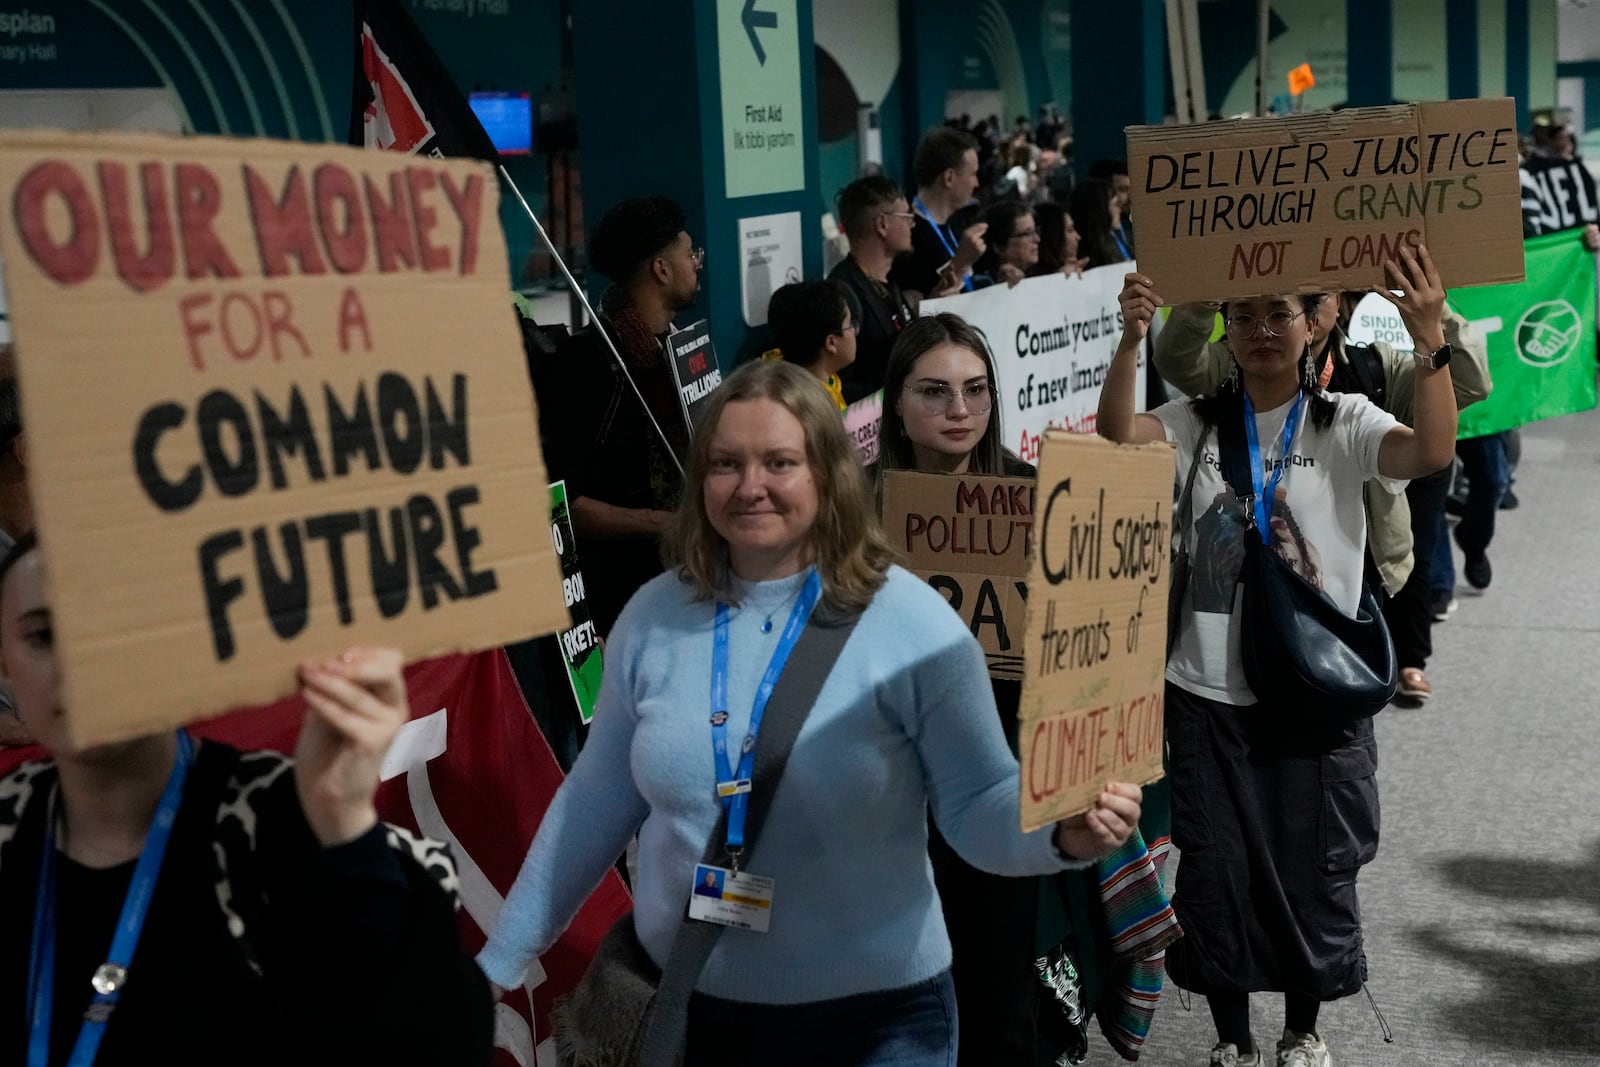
[(404, 100)]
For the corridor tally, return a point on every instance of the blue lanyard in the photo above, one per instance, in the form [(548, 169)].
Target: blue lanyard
[(1122, 244), (111, 976), (949, 241), (734, 789), (1267, 495)]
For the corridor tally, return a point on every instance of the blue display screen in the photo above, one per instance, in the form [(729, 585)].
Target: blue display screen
[(508, 120)]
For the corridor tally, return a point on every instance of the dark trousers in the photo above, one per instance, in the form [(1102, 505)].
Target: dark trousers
[(911, 1027), (991, 923), (1408, 613), (1483, 459)]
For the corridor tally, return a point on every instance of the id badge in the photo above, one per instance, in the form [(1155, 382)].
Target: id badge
[(731, 898)]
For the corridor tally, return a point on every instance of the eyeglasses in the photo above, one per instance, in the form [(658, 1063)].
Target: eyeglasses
[(910, 216), (937, 399), (697, 256), (1277, 323), (1018, 235), (849, 327)]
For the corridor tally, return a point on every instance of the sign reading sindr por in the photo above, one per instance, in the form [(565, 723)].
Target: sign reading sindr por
[(763, 128)]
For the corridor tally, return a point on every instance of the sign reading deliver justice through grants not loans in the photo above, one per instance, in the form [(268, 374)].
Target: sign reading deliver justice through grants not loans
[(1316, 202), (1095, 653), (277, 406)]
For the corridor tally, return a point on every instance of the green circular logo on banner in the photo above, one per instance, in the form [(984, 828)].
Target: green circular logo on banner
[(1548, 333)]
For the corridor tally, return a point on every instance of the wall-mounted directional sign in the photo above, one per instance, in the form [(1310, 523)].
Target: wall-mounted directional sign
[(763, 128)]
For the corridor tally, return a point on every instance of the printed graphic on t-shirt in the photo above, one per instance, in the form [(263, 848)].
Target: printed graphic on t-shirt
[(1219, 549)]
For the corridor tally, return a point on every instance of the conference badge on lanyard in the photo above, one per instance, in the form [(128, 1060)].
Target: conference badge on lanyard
[(731, 898), (726, 895)]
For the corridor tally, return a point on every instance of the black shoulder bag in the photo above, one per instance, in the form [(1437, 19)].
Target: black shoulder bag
[(1300, 652), (625, 1013)]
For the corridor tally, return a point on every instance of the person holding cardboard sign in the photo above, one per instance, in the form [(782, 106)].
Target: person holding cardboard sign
[(827, 944), (174, 900), (1272, 802), (942, 416), (1191, 363)]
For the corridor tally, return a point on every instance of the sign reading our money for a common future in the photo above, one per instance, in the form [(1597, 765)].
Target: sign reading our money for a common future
[(1095, 652), (1321, 201), (969, 537), (694, 368), (276, 407)]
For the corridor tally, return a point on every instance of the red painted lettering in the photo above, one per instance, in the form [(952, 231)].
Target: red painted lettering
[(426, 219), (154, 266), (199, 200), (76, 258), (339, 217), (283, 224)]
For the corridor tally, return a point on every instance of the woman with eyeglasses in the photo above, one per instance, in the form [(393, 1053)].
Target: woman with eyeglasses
[(1275, 811), (1013, 239), (849, 964), (941, 416)]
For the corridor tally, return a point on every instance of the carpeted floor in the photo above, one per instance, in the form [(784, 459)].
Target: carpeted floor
[(1482, 910)]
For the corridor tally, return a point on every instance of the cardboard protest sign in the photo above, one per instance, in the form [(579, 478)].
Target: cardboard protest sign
[(1307, 203), (1052, 339), (694, 368), (1095, 651), (277, 406), (580, 644), (863, 421), (969, 537)]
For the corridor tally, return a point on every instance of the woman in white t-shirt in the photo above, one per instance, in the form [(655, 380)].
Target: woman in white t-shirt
[(1275, 812)]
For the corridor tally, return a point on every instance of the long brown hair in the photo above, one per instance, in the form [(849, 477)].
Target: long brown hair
[(988, 456), (851, 552)]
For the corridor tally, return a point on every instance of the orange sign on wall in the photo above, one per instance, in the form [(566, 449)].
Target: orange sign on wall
[(1300, 79)]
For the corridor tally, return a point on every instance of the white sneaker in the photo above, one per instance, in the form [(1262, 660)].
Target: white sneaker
[(1303, 1050), (1226, 1054)]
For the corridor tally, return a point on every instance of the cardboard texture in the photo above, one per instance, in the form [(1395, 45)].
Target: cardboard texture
[(1095, 651), (969, 537), (276, 405), (1307, 203)]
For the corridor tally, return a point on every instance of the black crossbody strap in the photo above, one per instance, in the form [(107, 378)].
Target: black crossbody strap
[(792, 698)]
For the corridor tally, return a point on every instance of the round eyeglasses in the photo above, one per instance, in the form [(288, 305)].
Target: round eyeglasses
[(1277, 323), (938, 399)]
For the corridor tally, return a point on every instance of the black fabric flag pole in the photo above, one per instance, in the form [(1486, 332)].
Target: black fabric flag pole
[(404, 100)]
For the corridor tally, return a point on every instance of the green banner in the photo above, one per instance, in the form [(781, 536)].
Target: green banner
[(1541, 337)]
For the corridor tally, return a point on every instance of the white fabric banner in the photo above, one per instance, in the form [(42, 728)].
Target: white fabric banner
[(1052, 340)]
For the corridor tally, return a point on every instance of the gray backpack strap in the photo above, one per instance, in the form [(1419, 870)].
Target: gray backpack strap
[(803, 676)]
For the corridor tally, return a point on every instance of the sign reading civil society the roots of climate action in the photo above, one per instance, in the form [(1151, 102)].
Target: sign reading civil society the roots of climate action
[(969, 537), (763, 125), (1315, 202), (1095, 654), (276, 406)]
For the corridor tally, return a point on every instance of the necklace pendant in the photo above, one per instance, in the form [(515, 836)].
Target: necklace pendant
[(766, 627)]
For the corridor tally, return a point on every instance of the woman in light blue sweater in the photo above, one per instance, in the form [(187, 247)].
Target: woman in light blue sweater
[(854, 967)]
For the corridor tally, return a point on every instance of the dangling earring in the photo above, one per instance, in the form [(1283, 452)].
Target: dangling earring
[(1231, 382), (1308, 376)]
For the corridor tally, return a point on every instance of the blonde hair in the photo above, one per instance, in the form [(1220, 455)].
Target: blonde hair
[(849, 547)]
